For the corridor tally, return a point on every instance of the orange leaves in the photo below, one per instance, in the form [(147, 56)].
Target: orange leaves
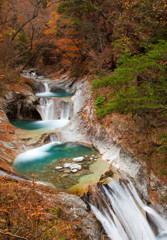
[(2, 76), (1, 36)]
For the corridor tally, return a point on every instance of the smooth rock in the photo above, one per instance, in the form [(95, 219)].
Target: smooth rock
[(78, 159), (67, 165), (75, 166), (72, 166), (74, 170), (58, 167)]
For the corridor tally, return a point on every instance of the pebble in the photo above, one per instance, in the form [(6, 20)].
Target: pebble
[(67, 165), (78, 159), (72, 166), (74, 170), (76, 166), (58, 167)]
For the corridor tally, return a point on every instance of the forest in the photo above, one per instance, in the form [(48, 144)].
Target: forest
[(120, 48), (121, 44)]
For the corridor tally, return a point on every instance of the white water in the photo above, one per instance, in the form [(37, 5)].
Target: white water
[(48, 111), (46, 92), (65, 112), (115, 207), (36, 154), (47, 89)]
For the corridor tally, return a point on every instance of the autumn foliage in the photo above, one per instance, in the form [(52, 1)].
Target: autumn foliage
[(28, 213)]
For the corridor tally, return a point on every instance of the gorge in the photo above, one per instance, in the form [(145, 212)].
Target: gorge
[(83, 120), (69, 152)]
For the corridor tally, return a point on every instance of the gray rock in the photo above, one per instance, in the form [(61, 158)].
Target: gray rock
[(8, 145)]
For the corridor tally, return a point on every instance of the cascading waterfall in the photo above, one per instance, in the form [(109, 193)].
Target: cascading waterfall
[(48, 107), (65, 112), (118, 208), (47, 89)]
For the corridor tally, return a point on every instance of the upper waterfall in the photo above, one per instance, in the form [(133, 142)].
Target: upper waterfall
[(53, 107), (47, 89)]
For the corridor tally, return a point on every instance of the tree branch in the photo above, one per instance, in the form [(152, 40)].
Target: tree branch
[(54, 3), (12, 235), (35, 14)]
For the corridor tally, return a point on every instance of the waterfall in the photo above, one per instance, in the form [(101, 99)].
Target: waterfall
[(65, 112), (54, 111), (120, 211), (47, 89), (47, 109)]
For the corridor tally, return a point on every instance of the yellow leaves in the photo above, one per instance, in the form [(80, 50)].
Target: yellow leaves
[(10, 32), (57, 179)]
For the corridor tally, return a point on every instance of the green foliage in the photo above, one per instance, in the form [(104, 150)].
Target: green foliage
[(163, 150), (23, 38), (77, 7), (100, 100), (163, 147), (138, 84)]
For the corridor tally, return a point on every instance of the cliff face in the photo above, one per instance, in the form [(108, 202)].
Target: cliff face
[(17, 102)]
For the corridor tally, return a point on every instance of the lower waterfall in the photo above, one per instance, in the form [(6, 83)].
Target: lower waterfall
[(47, 109), (123, 215)]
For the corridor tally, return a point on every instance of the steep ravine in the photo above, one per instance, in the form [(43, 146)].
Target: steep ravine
[(83, 127), (71, 208)]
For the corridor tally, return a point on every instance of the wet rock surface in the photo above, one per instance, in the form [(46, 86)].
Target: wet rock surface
[(21, 107)]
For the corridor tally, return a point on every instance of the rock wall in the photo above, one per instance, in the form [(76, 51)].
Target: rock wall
[(84, 127)]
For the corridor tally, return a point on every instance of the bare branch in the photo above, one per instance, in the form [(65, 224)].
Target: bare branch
[(12, 235), (35, 14), (54, 3)]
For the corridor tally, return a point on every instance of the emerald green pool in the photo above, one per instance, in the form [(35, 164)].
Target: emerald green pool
[(35, 125), (34, 161), (54, 94)]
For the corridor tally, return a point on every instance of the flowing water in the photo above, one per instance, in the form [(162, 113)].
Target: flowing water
[(51, 119), (42, 161), (117, 206), (123, 215), (59, 93)]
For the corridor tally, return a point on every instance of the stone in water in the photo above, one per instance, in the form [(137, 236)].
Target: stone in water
[(58, 167), (78, 159)]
